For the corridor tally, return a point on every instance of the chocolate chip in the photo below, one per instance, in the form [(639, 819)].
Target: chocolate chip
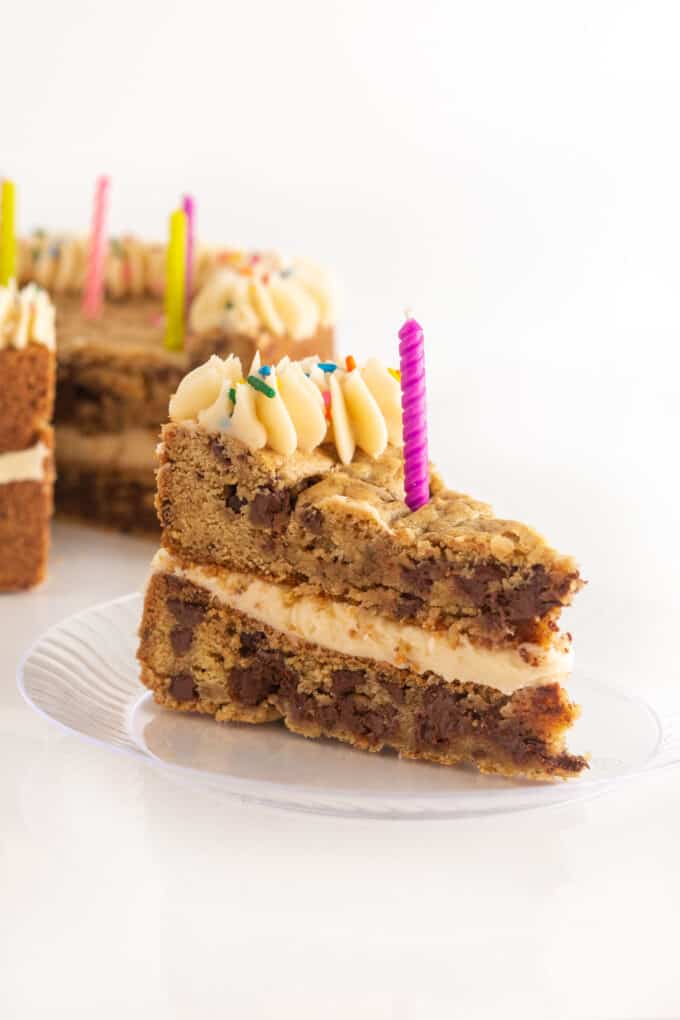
[(174, 585), (302, 706), (187, 614), (371, 722), (327, 716), (251, 684), (476, 584), (407, 606), (530, 600), (437, 721), (441, 716), (181, 639), (251, 640), (312, 519), (395, 691), (182, 687), (270, 508), (482, 586), (301, 487), (232, 500), (219, 452), (534, 598), (349, 712), (345, 681), (419, 578)]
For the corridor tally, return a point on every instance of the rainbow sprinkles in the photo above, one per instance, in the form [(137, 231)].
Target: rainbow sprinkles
[(295, 405)]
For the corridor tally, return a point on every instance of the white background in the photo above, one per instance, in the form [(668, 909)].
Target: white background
[(511, 172)]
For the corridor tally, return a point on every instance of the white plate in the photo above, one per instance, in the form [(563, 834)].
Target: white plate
[(83, 674)]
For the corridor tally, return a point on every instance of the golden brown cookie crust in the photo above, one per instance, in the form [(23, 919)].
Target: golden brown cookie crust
[(347, 530)]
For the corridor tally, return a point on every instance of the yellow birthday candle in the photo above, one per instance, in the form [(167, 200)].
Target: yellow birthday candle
[(175, 282), (8, 241)]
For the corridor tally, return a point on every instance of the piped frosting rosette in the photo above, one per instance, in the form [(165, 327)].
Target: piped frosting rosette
[(56, 262), (294, 405), (25, 315), (263, 293)]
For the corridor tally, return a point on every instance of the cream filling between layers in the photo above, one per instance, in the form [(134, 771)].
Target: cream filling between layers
[(133, 448), (352, 630), (23, 465)]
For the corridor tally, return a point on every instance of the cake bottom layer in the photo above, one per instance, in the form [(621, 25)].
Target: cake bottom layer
[(114, 497), (25, 511), (198, 654)]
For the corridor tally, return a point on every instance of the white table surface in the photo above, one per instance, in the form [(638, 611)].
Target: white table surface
[(125, 895)]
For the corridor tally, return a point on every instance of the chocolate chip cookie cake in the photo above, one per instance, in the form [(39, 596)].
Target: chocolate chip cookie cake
[(115, 374), (293, 582)]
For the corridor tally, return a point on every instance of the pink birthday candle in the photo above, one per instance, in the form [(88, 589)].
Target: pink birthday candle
[(189, 206), (414, 419), (94, 280)]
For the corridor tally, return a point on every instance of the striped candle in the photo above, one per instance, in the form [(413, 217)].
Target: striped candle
[(96, 254), (8, 239), (414, 418), (175, 281), (189, 207)]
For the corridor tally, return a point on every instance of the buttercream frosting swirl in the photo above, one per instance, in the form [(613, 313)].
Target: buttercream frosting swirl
[(254, 293), (264, 294), (294, 405), (25, 315)]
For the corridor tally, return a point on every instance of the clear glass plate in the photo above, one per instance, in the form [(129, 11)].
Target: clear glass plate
[(83, 674)]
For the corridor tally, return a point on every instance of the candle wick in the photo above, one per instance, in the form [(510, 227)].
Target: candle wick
[(408, 312)]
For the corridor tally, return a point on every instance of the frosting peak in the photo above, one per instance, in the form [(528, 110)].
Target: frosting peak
[(262, 293), (295, 405), (25, 315)]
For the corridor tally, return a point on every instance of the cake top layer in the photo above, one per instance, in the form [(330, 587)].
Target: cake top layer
[(294, 405), (350, 506), (342, 427), (250, 293), (26, 316), (133, 330)]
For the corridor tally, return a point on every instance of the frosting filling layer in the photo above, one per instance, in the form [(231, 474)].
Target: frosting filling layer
[(24, 465), (353, 630), (133, 448)]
